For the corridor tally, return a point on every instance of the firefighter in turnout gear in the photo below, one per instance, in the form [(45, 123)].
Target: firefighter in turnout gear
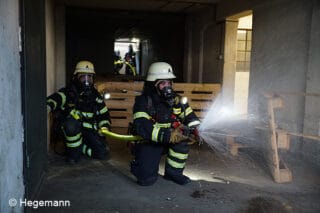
[(79, 112), (165, 123)]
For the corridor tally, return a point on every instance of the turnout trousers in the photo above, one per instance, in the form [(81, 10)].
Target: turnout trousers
[(145, 166), (80, 140)]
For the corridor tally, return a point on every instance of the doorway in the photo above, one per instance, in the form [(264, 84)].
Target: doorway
[(236, 65), (127, 56)]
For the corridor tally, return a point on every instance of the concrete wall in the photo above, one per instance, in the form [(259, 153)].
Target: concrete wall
[(50, 47), (50, 56), (202, 59), (11, 130), (60, 45), (312, 112), (279, 59), (281, 34)]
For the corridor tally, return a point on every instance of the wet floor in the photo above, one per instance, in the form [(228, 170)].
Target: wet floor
[(220, 183)]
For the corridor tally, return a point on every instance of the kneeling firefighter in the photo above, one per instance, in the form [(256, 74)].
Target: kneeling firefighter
[(79, 112), (165, 123)]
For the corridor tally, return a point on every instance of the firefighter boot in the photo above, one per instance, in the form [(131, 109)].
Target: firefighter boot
[(176, 176), (143, 178)]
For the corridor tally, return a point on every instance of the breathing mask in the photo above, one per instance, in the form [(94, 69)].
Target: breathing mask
[(165, 90), (85, 81)]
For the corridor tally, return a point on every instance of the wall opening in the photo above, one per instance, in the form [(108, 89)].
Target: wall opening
[(127, 56)]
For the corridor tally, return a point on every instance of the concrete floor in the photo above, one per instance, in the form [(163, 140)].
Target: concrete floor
[(220, 184)]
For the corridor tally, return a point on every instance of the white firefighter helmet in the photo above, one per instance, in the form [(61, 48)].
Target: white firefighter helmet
[(84, 67), (160, 70)]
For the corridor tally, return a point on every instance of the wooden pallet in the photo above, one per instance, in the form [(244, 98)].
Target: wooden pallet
[(233, 146), (278, 139), (200, 98)]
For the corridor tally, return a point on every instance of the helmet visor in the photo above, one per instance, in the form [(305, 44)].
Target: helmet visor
[(160, 84)]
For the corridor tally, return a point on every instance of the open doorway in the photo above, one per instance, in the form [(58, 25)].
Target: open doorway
[(243, 56), (126, 56), (236, 68)]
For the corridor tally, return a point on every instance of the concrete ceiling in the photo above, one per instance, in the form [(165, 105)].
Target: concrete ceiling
[(173, 6)]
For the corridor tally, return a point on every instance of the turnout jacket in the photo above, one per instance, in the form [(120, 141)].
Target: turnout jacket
[(153, 118), (86, 106)]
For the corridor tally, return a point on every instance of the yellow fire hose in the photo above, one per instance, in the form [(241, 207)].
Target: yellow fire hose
[(117, 136)]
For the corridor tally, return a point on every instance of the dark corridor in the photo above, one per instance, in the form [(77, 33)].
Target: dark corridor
[(91, 35)]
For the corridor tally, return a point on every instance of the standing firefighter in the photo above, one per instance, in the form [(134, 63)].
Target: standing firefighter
[(166, 124), (79, 114)]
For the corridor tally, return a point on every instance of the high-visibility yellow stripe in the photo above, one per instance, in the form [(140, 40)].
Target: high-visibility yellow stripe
[(176, 111), (118, 62), (74, 144), (155, 133), (99, 100), (73, 138), (52, 101), (84, 149), (141, 115), (193, 123), (132, 68), (188, 111), (162, 125), (87, 114), (175, 164), (101, 123), (89, 125), (180, 156), (89, 152), (63, 99), (103, 110), (75, 114)]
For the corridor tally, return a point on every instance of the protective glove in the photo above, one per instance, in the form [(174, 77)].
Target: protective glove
[(195, 135), (177, 135)]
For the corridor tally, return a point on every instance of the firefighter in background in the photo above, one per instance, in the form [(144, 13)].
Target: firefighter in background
[(165, 123), (117, 62), (125, 66), (79, 112), (130, 61)]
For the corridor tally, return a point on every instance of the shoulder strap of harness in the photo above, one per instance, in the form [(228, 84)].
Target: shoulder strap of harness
[(150, 107)]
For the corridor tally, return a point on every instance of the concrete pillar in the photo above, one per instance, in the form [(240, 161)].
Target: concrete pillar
[(60, 46), (11, 129), (229, 66)]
